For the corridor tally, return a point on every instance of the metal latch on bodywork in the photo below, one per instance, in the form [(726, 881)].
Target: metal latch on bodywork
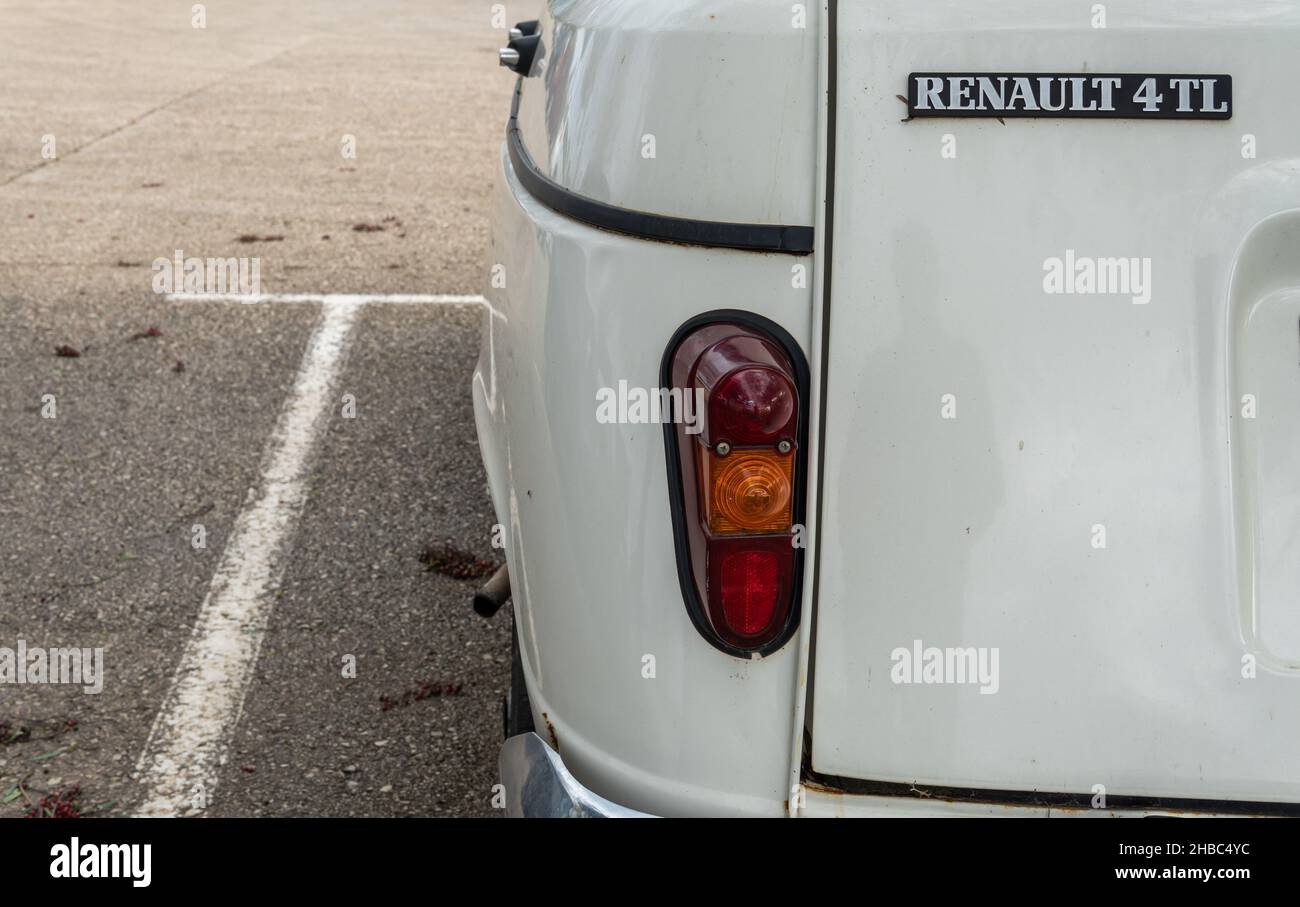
[(518, 55)]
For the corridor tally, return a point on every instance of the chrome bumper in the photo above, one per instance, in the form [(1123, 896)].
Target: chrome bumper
[(538, 785)]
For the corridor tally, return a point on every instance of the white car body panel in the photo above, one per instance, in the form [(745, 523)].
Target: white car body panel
[(1120, 666), (723, 88), (590, 540)]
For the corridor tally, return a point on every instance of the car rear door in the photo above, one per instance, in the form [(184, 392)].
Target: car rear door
[(1057, 486)]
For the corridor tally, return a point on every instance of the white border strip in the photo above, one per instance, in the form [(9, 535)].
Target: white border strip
[(338, 299)]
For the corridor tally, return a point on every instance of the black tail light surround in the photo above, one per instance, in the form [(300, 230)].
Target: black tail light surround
[(740, 572)]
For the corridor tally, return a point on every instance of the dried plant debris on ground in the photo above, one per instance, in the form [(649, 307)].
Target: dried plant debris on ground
[(426, 690), (14, 731), (59, 804), (448, 560)]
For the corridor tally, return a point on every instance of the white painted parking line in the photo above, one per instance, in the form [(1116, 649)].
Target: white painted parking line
[(188, 742), (333, 298)]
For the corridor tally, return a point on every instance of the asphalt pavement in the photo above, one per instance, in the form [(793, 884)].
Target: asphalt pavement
[(126, 134)]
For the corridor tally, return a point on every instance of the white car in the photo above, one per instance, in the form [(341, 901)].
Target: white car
[(893, 407)]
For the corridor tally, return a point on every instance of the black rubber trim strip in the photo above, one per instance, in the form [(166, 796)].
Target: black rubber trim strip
[(681, 543), (828, 226), (1046, 799), (745, 237)]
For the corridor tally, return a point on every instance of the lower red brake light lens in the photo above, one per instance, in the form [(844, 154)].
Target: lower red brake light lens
[(749, 587), (749, 590)]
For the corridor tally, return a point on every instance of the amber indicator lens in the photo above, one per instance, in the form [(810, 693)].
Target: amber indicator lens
[(747, 491)]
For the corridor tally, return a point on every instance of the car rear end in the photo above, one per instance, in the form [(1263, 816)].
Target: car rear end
[(1038, 554)]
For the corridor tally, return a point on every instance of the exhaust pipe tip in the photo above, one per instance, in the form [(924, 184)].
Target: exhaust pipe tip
[(493, 594)]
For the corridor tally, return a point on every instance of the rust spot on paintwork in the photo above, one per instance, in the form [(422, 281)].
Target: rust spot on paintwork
[(920, 793), (902, 98), (550, 732)]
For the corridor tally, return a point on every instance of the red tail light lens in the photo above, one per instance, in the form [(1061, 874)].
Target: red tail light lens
[(749, 588), (751, 394), (749, 585), (737, 482), (752, 406)]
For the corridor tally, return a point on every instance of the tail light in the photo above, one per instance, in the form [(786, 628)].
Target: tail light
[(736, 456)]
